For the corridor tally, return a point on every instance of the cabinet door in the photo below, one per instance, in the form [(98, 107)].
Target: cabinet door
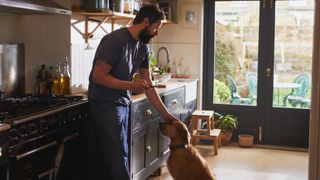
[(145, 150), (163, 144), (138, 157), (152, 145)]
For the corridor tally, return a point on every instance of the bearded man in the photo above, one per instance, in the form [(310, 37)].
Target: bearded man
[(119, 55)]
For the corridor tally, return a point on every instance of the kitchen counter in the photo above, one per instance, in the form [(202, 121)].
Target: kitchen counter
[(169, 85)]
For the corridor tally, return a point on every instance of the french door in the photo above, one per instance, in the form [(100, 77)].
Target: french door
[(257, 66)]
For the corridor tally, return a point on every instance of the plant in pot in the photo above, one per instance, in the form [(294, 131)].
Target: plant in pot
[(226, 123)]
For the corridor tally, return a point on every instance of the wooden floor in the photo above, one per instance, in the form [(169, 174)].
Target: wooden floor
[(235, 163)]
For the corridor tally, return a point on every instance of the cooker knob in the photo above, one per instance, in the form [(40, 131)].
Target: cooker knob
[(33, 128), (14, 135), (43, 126), (23, 131)]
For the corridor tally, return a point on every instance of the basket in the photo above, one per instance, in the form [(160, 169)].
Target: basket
[(245, 140)]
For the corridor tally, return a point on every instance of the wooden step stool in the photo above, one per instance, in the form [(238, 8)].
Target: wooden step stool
[(209, 133)]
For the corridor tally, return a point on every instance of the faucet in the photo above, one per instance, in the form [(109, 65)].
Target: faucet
[(167, 52)]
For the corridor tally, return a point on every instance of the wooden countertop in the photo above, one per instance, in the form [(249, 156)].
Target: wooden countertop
[(170, 85)]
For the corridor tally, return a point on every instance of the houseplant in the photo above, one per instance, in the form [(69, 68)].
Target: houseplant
[(226, 123)]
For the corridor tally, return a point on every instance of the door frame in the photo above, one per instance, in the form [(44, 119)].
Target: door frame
[(207, 85), (261, 119)]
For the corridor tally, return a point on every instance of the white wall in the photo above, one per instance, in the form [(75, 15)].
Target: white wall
[(184, 42), (46, 39)]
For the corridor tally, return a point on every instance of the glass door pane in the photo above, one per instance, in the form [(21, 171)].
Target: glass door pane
[(293, 53), (236, 52)]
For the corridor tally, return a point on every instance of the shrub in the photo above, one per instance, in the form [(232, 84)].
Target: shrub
[(221, 92)]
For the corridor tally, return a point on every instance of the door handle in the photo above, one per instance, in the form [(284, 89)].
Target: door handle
[(260, 133), (268, 72)]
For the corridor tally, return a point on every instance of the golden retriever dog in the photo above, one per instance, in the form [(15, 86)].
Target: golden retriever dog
[(184, 162)]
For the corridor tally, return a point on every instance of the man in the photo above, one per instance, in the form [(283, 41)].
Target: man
[(118, 56)]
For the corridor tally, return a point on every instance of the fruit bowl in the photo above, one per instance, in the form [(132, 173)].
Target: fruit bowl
[(162, 77)]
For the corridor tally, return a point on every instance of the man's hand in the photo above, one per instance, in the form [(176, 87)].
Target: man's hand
[(139, 85)]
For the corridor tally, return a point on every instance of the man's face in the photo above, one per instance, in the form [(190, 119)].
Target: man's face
[(149, 32)]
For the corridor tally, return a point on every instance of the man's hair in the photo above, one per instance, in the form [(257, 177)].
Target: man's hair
[(151, 12)]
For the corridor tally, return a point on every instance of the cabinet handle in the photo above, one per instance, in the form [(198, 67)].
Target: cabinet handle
[(148, 112), (149, 148), (175, 101)]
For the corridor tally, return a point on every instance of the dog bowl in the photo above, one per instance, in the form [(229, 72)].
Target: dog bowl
[(245, 140)]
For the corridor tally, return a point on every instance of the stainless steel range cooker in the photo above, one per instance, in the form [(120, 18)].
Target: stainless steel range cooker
[(43, 141)]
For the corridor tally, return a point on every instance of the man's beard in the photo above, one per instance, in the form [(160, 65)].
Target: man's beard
[(144, 35)]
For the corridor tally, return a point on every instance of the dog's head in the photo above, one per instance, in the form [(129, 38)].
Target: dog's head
[(176, 131)]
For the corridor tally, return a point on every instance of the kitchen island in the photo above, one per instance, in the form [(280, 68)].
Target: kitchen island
[(149, 148)]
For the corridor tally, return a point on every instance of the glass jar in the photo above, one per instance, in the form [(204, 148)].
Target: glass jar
[(127, 7)]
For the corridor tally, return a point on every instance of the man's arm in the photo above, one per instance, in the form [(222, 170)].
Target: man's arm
[(101, 75), (154, 97)]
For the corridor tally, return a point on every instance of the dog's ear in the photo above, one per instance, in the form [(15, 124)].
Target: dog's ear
[(184, 133), (188, 137)]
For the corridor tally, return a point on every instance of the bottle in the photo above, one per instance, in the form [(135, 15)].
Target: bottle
[(57, 81), (50, 81), (174, 69), (66, 78), (42, 79), (179, 70), (186, 72)]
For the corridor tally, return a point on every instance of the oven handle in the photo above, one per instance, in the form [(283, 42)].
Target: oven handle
[(46, 173), (20, 156), (72, 136)]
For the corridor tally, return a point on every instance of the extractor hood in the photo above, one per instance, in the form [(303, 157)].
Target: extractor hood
[(32, 7)]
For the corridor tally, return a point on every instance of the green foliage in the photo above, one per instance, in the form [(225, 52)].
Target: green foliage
[(153, 59), (221, 92), (226, 121), (224, 54)]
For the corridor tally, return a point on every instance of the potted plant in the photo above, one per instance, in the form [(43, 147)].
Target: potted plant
[(226, 123)]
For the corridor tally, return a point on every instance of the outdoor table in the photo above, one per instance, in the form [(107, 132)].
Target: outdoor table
[(285, 86)]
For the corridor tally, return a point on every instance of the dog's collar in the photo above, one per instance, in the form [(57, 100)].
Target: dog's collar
[(178, 146)]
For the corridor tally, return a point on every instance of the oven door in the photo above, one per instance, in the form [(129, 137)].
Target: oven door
[(33, 161), (70, 160)]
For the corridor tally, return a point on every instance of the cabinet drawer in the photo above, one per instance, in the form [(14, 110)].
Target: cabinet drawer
[(142, 113), (174, 98)]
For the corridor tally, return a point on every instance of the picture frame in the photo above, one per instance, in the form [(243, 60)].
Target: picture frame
[(190, 15)]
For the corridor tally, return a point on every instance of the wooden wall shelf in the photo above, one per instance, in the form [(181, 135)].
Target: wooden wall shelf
[(100, 18)]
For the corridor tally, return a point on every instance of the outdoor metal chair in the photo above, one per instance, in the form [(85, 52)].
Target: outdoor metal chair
[(235, 97), (251, 80), (299, 95)]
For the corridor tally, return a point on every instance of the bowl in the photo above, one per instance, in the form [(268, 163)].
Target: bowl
[(162, 77)]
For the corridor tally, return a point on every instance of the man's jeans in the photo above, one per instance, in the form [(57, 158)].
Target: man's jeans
[(110, 123)]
